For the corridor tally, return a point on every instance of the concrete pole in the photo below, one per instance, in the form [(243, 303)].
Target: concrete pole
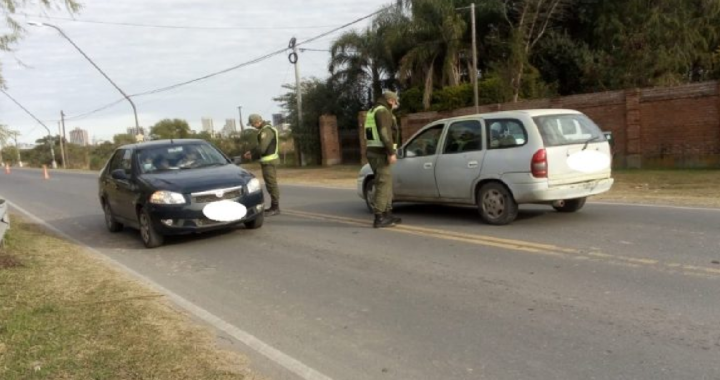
[(62, 145), (298, 89), (474, 58)]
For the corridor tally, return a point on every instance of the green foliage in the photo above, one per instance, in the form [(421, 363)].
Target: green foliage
[(170, 129), (123, 139)]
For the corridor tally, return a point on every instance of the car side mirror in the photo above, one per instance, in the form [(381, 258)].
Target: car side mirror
[(401, 153), (237, 160), (119, 174)]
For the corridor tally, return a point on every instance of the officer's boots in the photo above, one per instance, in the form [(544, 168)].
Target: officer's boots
[(395, 219), (382, 221), (273, 210)]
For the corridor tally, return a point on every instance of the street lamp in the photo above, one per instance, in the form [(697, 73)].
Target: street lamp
[(50, 139), (137, 125)]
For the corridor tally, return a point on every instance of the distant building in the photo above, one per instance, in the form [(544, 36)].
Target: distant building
[(229, 128), (131, 131), (25, 146), (278, 119), (79, 136), (207, 125)]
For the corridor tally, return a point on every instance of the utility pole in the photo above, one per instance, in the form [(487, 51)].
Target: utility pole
[(293, 57), (62, 135), (474, 57), (62, 145), (241, 123), (17, 148), (473, 74)]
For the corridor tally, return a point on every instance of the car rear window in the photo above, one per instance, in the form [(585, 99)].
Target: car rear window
[(568, 129)]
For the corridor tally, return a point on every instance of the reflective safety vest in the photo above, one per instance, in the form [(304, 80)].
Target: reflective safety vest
[(371, 132), (274, 155)]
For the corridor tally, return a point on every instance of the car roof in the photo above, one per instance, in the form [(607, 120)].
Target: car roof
[(514, 113), (162, 143)]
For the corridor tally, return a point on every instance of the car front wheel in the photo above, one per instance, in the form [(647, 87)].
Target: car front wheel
[(496, 204), (110, 222), (255, 223), (570, 205), (150, 237)]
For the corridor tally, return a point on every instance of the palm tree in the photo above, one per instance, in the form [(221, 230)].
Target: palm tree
[(436, 30), (358, 60)]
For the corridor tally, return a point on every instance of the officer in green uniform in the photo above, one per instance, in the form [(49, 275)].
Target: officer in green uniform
[(383, 135), (268, 153)]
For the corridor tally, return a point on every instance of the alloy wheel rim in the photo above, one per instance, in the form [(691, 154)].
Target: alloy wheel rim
[(144, 228), (494, 204)]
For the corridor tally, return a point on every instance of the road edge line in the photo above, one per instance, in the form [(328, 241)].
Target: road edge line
[(286, 361)]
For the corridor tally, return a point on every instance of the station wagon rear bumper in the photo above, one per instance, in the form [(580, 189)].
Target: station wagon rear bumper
[(542, 192)]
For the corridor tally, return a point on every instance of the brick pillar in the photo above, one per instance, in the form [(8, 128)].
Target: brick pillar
[(363, 141), (633, 125), (330, 141)]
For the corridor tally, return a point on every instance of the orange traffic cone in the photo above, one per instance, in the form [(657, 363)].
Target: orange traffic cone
[(45, 172), (7, 168)]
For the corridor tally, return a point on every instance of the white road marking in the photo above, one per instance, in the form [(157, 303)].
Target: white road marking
[(277, 356)]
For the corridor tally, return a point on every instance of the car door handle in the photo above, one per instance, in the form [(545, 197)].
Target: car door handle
[(428, 165), (472, 164)]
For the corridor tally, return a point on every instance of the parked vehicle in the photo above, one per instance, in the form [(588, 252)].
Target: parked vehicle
[(173, 187), (499, 160)]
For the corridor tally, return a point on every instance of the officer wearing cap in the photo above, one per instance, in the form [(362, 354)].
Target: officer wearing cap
[(268, 152), (383, 135)]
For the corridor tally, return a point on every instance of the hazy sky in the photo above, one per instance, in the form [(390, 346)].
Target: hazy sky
[(47, 75)]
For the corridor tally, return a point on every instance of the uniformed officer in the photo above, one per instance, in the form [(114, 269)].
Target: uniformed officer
[(268, 152), (383, 135)]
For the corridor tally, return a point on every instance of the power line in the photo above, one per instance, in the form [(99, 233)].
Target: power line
[(137, 25), (241, 65)]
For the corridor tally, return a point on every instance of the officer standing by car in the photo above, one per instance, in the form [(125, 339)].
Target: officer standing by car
[(268, 153), (383, 135)]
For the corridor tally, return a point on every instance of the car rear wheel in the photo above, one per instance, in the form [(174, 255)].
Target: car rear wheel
[(569, 205), (496, 204), (110, 222), (255, 223), (369, 192), (150, 237)]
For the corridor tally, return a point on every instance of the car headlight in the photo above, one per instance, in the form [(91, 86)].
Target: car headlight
[(253, 186), (167, 198)]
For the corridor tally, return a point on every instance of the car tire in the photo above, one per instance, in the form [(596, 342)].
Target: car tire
[(570, 205), (255, 223), (369, 193), (110, 222), (149, 236), (496, 204)]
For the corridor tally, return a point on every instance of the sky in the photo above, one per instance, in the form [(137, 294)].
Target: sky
[(46, 74)]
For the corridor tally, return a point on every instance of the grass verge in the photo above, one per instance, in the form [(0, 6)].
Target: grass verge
[(66, 315)]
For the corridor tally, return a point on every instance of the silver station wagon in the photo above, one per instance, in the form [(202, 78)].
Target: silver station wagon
[(499, 160)]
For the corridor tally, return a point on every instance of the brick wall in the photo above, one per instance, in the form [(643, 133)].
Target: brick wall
[(329, 141), (669, 127)]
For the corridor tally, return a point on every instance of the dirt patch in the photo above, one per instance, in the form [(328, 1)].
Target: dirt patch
[(7, 261)]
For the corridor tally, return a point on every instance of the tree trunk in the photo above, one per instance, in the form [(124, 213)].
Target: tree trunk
[(517, 82), (376, 85), (427, 96)]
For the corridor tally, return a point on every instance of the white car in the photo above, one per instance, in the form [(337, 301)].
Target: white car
[(499, 160)]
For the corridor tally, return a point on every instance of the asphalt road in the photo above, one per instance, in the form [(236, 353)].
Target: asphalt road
[(611, 292)]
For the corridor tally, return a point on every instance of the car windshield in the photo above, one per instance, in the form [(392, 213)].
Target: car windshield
[(568, 129), (179, 157)]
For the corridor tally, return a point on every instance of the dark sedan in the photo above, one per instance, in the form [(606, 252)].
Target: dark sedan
[(173, 187)]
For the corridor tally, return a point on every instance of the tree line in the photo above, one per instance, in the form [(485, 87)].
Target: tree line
[(527, 49)]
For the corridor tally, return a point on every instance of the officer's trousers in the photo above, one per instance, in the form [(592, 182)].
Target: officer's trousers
[(383, 184), (269, 173)]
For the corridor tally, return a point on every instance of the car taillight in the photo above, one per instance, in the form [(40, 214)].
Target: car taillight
[(539, 164)]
